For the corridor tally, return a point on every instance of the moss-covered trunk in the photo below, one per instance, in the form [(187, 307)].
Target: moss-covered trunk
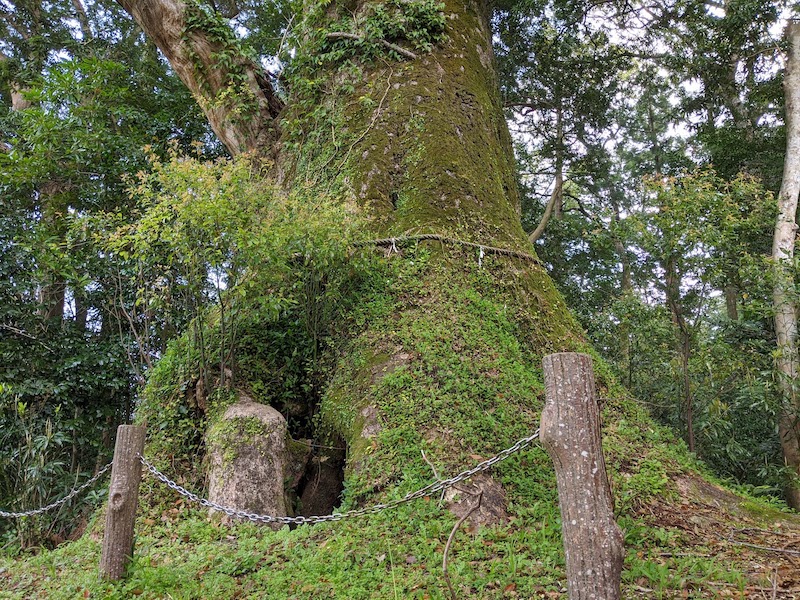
[(394, 108), (424, 144), (446, 356)]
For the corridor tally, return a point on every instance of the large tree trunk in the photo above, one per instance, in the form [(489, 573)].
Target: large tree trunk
[(422, 146), (782, 255), (432, 154)]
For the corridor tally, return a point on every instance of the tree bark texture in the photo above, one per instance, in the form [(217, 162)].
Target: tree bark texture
[(433, 155), (570, 432), (732, 300), (235, 95), (438, 142), (123, 498), (782, 256)]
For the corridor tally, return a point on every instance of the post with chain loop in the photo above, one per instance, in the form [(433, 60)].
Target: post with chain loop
[(123, 499), (570, 433)]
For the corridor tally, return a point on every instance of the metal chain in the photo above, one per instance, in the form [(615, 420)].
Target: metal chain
[(64, 500), (376, 508)]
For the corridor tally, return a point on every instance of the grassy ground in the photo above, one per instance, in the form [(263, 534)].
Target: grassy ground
[(696, 540)]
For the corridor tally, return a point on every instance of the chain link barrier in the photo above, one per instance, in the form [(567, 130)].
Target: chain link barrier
[(57, 503), (358, 512)]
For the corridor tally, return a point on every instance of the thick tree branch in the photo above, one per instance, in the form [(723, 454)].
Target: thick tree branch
[(236, 95), (14, 24)]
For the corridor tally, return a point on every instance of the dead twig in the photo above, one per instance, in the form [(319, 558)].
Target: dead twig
[(25, 334), (435, 474), (774, 584), (450, 542), (767, 548), (757, 530), (755, 588), (430, 464)]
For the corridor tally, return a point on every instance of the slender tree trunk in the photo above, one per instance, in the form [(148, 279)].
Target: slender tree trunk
[(783, 255), (558, 188), (683, 343), (733, 101), (81, 310), (626, 287), (732, 301), (54, 205), (555, 203), (655, 146)]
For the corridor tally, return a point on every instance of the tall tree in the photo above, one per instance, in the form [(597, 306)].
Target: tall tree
[(394, 106), (783, 256)]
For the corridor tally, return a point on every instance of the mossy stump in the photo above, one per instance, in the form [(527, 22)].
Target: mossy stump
[(248, 457)]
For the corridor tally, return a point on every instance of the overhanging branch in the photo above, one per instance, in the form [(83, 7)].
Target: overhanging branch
[(236, 95)]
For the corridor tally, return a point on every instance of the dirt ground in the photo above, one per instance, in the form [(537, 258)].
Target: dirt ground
[(713, 522)]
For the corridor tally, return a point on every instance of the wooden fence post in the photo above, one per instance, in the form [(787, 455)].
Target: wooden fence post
[(570, 433), (123, 498)]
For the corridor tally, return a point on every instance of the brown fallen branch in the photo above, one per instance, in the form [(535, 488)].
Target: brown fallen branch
[(757, 530), (767, 548), (343, 35), (450, 542)]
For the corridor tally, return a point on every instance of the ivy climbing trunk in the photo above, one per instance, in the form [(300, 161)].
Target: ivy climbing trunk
[(234, 92)]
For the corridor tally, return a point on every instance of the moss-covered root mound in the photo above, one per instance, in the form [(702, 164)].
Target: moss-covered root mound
[(451, 370)]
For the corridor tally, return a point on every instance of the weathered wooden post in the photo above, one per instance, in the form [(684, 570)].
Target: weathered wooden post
[(570, 433), (123, 498)]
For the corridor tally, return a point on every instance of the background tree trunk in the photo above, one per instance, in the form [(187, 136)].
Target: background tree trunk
[(683, 339), (554, 204), (782, 256)]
